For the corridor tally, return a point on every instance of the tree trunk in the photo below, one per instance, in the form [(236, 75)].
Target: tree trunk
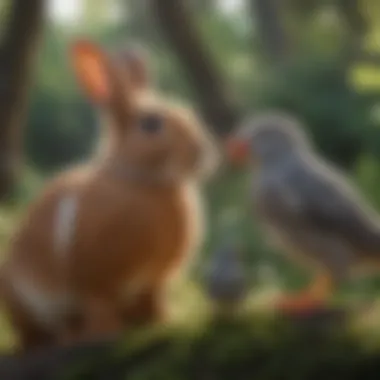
[(214, 99), (270, 28), (17, 51)]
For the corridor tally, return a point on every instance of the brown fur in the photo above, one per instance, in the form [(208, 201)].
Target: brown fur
[(131, 234)]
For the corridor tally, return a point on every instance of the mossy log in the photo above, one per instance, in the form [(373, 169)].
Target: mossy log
[(249, 347)]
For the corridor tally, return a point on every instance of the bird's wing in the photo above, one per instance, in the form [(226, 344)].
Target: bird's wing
[(325, 200)]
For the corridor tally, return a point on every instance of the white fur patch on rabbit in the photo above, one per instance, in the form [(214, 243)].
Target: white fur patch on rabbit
[(64, 223), (196, 207), (45, 307)]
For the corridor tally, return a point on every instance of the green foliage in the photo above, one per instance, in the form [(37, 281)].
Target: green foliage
[(367, 174), (317, 90), (315, 84), (61, 126), (4, 14)]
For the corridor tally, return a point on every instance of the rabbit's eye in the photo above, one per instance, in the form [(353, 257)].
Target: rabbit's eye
[(151, 123)]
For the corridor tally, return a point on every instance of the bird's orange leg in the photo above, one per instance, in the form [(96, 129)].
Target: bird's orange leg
[(310, 299)]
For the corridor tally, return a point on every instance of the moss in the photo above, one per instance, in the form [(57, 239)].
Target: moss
[(253, 346)]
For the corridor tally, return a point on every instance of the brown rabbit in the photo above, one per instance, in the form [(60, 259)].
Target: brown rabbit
[(105, 238)]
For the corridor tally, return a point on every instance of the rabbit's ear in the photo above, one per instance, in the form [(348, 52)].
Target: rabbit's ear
[(90, 65), (135, 61)]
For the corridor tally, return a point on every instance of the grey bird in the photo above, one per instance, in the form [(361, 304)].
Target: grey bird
[(225, 279), (307, 206)]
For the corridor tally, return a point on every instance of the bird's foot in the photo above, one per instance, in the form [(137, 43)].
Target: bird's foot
[(303, 303)]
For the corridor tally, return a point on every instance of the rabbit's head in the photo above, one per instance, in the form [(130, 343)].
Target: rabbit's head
[(150, 136)]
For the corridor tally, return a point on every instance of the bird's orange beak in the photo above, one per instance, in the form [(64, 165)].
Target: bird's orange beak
[(237, 151)]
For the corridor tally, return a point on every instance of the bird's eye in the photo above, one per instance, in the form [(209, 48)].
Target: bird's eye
[(151, 123)]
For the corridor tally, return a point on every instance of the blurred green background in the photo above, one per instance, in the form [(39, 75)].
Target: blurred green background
[(318, 59)]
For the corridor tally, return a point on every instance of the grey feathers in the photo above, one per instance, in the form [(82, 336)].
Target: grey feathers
[(309, 204), (307, 194)]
